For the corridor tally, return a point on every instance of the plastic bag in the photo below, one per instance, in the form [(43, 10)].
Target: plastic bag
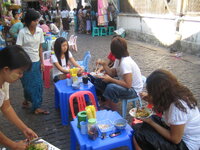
[(121, 32)]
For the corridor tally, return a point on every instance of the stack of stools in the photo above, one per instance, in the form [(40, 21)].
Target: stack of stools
[(95, 31), (111, 30), (103, 31)]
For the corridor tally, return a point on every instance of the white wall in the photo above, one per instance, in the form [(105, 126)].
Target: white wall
[(161, 30)]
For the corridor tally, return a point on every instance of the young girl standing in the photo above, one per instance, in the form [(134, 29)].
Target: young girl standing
[(13, 62), (31, 38), (61, 59)]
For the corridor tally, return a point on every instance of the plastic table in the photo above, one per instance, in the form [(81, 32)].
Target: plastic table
[(124, 139), (62, 94)]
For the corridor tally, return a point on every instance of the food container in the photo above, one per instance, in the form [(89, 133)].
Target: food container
[(120, 124), (43, 145), (105, 126), (141, 112)]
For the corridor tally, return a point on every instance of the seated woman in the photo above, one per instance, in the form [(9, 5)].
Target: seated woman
[(179, 127), (61, 59), (43, 26), (129, 81), (53, 28), (14, 30)]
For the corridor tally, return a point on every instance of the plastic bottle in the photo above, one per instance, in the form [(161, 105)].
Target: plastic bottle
[(89, 112), (52, 53), (92, 129), (74, 78), (68, 79)]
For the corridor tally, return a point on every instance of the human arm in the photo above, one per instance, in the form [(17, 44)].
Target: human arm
[(108, 62), (74, 63), (110, 71), (126, 82), (41, 57), (10, 114), (21, 145), (59, 67), (174, 134), (145, 96)]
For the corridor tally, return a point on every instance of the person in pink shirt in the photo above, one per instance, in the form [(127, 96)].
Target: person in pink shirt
[(43, 26)]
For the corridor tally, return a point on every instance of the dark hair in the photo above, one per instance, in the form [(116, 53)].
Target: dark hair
[(31, 15), (48, 22), (57, 49), (119, 47), (14, 12), (165, 89), (41, 22), (14, 57)]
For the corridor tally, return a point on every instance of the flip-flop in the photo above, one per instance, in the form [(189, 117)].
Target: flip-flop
[(43, 112)]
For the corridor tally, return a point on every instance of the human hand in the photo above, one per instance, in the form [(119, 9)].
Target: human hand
[(80, 71), (145, 96), (105, 78), (20, 145), (100, 62), (30, 134), (147, 120), (42, 67)]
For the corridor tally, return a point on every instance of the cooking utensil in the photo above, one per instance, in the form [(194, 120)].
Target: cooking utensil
[(35, 140)]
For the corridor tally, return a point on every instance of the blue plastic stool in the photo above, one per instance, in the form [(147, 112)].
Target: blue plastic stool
[(95, 31), (126, 101), (103, 31), (111, 30)]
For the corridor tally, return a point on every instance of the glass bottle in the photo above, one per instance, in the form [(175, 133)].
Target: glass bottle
[(92, 129)]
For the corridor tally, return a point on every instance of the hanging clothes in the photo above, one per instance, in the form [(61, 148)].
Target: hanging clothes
[(102, 12)]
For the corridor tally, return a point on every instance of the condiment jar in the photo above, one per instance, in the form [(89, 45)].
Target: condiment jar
[(92, 129)]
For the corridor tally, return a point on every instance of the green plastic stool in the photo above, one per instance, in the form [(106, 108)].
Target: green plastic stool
[(103, 31), (95, 31), (111, 30)]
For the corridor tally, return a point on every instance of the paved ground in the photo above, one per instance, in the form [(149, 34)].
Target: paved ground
[(148, 58)]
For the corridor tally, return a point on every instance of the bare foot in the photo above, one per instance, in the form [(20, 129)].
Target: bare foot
[(41, 111)]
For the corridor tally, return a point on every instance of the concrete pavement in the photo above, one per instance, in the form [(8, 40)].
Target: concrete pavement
[(148, 57)]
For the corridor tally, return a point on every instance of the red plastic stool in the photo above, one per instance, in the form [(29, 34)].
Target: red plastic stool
[(46, 74)]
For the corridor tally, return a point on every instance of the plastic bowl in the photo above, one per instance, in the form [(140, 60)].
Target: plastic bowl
[(120, 124)]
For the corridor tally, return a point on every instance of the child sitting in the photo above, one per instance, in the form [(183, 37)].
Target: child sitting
[(53, 28), (43, 26), (61, 59)]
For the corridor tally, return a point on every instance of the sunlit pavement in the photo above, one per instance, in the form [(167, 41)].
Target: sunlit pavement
[(148, 57)]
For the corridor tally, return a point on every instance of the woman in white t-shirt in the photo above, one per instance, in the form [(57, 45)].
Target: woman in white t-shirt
[(180, 124), (129, 81), (13, 62), (61, 59)]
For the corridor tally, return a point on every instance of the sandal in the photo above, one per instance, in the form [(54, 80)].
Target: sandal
[(41, 112)]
